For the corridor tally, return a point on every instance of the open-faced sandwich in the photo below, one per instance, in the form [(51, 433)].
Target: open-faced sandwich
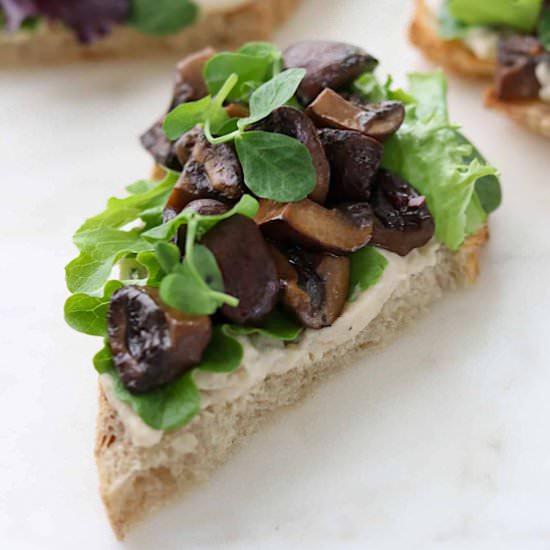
[(301, 211), (57, 31), (506, 39)]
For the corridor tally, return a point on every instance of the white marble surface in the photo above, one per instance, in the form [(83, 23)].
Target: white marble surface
[(441, 441)]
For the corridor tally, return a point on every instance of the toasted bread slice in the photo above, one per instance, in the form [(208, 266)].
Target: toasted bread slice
[(455, 56), (135, 481), (450, 54), (533, 114), (227, 29)]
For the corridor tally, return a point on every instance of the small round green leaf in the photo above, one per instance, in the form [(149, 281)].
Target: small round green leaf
[(276, 166)]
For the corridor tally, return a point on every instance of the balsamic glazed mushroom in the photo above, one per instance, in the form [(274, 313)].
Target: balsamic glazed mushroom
[(205, 207), (314, 286), (189, 86), (328, 65), (247, 269), (152, 343), (209, 171), (518, 57), (293, 123), (402, 219), (317, 228), (354, 160), (377, 120)]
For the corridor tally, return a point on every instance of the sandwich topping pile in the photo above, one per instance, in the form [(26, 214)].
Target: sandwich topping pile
[(92, 19), (513, 33), (295, 192)]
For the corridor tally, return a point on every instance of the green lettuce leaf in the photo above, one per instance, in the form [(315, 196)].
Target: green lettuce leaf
[(367, 267), (544, 28), (277, 325), (162, 17), (88, 314), (429, 153), (176, 403), (451, 28), (518, 14)]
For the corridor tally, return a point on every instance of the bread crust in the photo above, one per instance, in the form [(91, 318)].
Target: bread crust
[(533, 114), (450, 54), (136, 481), (255, 20)]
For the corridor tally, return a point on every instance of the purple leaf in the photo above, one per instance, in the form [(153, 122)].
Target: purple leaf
[(17, 11), (89, 19)]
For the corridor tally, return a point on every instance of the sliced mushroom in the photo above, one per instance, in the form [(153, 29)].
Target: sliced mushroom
[(210, 171), (311, 225), (328, 65), (518, 57), (205, 207), (377, 120), (293, 123), (189, 86), (160, 147), (354, 159), (247, 268), (152, 343), (402, 219), (314, 286), (237, 110)]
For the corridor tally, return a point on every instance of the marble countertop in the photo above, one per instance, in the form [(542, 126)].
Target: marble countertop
[(440, 441)]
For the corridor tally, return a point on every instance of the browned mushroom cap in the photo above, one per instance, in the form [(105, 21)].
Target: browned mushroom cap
[(354, 159), (293, 123), (311, 225), (205, 207), (189, 86), (328, 65), (377, 120), (248, 270), (518, 57), (209, 171), (402, 219), (314, 286), (152, 343)]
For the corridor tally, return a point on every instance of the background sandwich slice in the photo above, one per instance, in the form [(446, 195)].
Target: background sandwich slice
[(226, 28), (455, 56)]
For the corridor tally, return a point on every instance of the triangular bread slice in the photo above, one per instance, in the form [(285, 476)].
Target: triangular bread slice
[(453, 55), (135, 481), (227, 28)]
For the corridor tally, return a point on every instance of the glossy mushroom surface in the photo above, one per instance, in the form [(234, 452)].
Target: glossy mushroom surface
[(311, 225), (209, 171), (354, 160), (293, 123), (377, 120), (328, 65), (247, 268), (314, 286), (402, 219), (152, 343), (189, 86), (518, 57)]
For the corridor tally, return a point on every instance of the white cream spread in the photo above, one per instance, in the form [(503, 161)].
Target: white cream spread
[(483, 42), (265, 356), (543, 76), (140, 434)]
